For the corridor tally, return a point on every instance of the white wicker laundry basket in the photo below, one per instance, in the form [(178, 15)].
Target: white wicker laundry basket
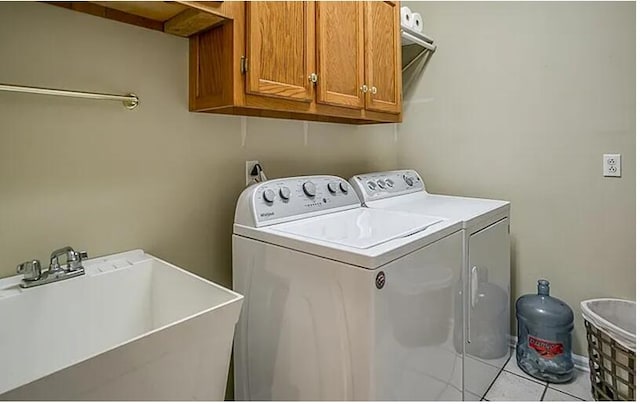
[(611, 335)]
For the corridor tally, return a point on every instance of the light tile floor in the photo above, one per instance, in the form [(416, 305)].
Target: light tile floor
[(512, 384)]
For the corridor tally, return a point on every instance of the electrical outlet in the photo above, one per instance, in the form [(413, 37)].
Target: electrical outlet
[(248, 167), (611, 166)]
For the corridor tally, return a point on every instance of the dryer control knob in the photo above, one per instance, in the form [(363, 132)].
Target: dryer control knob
[(408, 180), (268, 195), (285, 193), (371, 185), (389, 182), (382, 184), (309, 188), (333, 187), (344, 187)]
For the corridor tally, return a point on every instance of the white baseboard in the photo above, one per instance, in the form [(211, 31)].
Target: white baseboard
[(580, 362)]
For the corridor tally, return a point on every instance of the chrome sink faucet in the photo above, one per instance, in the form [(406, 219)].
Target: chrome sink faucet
[(74, 259), (34, 276)]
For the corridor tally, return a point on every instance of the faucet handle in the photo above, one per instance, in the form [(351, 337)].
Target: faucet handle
[(54, 262), (75, 260), (32, 270)]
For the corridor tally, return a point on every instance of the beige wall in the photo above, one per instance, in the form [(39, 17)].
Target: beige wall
[(519, 102), (98, 177)]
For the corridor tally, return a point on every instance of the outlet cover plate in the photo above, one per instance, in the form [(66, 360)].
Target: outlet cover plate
[(611, 165)]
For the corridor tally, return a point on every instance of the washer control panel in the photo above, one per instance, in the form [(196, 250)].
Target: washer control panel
[(374, 186), (280, 200)]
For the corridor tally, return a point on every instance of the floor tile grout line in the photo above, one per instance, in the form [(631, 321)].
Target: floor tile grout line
[(564, 392), (546, 387), (521, 380), (531, 379), (504, 365), (484, 396), (496, 378), (504, 368)]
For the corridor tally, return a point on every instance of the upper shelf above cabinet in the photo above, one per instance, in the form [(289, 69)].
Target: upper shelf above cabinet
[(411, 37), (181, 18), (416, 44)]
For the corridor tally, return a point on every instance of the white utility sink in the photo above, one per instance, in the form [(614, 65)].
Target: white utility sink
[(133, 327)]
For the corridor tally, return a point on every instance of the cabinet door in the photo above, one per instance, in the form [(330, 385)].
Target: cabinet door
[(340, 42), (382, 53), (280, 49)]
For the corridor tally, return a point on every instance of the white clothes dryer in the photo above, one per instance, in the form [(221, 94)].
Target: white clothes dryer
[(483, 295), (343, 302)]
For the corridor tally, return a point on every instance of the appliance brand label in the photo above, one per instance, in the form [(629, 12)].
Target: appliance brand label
[(267, 214), (544, 348), (380, 280)]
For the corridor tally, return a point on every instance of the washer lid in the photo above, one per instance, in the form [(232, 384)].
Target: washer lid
[(473, 212), (358, 228)]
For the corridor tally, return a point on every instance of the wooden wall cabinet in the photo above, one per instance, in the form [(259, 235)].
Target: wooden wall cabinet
[(340, 41), (280, 49), (322, 61), (383, 49)]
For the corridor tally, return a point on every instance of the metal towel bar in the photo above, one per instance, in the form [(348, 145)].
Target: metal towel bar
[(130, 101)]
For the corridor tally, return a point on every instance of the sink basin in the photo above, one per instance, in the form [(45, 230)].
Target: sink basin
[(133, 327)]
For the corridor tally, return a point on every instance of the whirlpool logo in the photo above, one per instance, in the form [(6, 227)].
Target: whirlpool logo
[(267, 214)]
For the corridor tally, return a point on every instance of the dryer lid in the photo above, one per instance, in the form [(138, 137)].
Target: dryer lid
[(358, 228)]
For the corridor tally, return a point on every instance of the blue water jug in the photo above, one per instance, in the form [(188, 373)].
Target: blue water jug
[(544, 336)]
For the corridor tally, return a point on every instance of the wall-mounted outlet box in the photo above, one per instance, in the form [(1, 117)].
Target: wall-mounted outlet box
[(611, 165), (248, 172)]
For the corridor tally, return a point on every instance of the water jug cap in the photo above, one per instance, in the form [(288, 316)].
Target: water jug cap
[(543, 287)]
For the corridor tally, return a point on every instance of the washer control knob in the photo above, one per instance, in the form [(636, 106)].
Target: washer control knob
[(285, 193), (344, 187), (268, 195), (408, 180), (371, 185), (381, 184), (333, 187), (309, 188), (389, 182)]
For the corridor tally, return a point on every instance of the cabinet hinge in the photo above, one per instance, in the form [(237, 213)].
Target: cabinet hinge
[(244, 64)]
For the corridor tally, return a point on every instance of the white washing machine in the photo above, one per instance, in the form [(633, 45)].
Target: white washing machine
[(483, 296), (343, 302)]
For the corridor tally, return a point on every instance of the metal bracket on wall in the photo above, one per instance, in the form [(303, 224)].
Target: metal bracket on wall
[(415, 59), (130, 101), (416, 47)]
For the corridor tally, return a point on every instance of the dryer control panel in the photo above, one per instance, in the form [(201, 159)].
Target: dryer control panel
[(281, 200), (374, 186)]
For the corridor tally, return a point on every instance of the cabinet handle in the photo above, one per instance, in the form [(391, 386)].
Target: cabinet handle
[(364, 88), (373, 90), (313, 77), (244, 65)]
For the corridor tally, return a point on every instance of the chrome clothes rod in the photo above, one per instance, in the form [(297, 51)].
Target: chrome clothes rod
[(130, 101)]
